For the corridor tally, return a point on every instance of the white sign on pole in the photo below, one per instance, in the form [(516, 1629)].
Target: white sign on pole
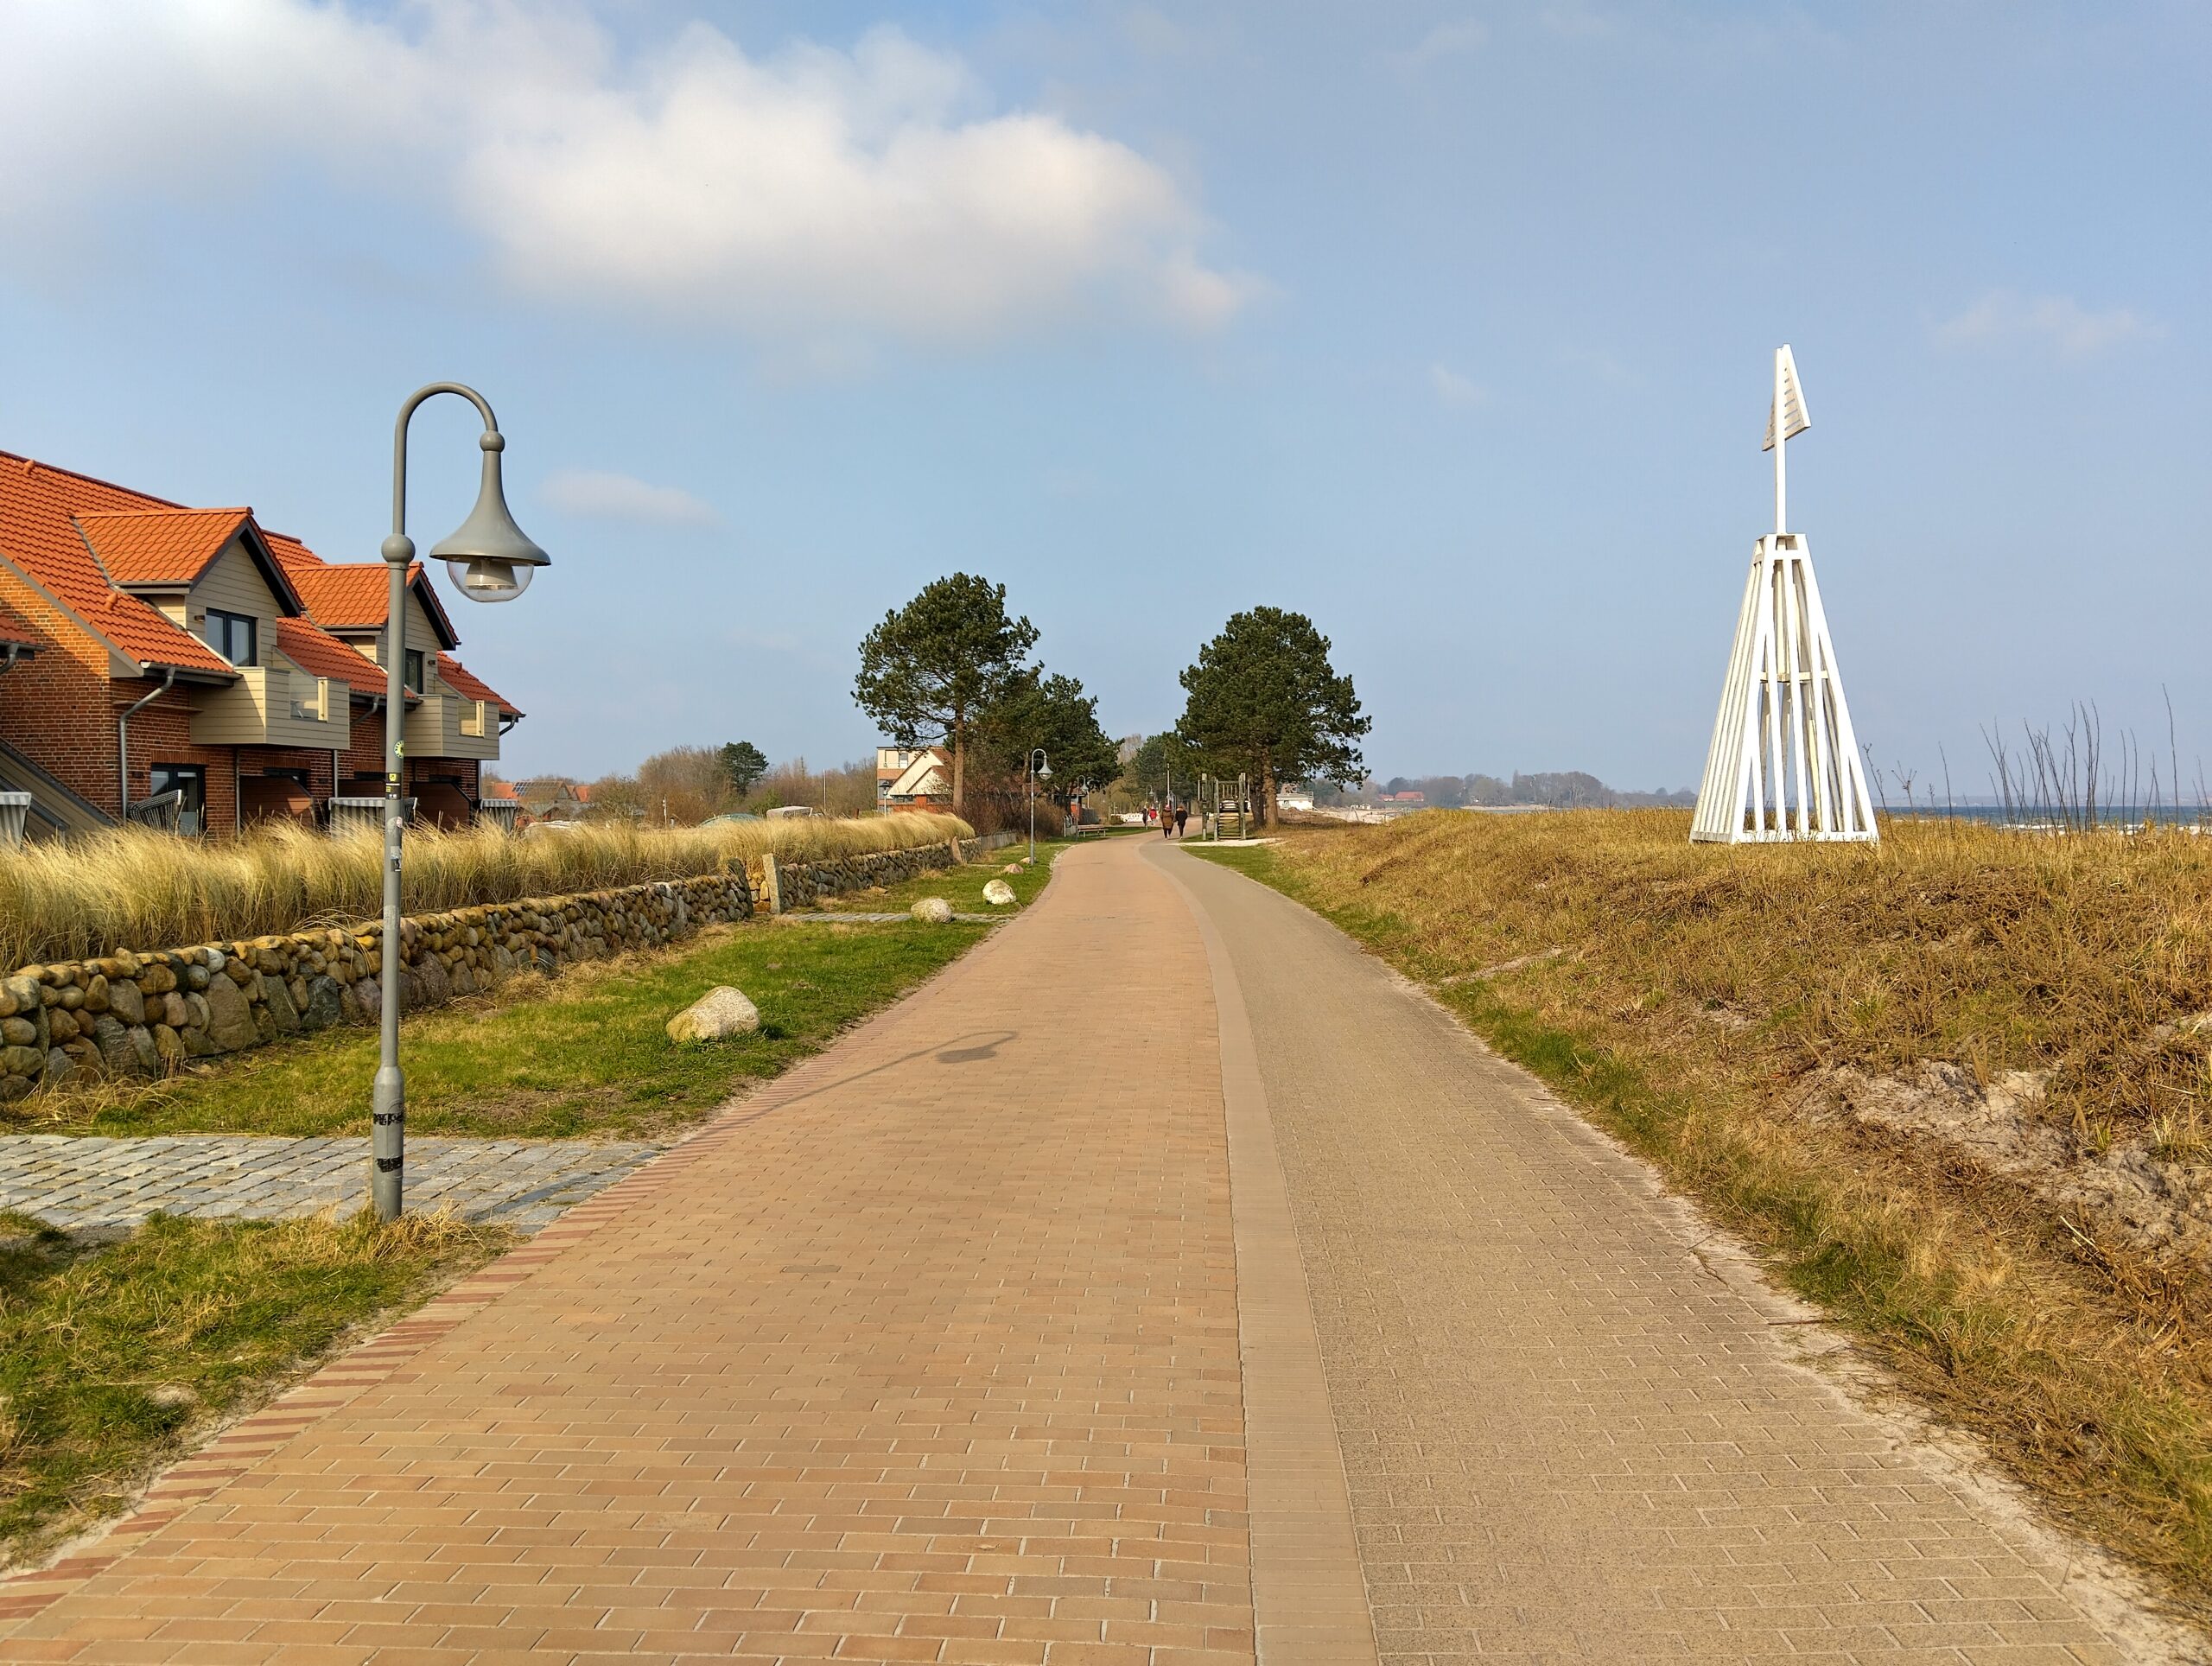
[(1784, 763)]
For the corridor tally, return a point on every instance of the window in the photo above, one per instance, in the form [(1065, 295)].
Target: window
[(191, 781), (233, 636), (413, 678)]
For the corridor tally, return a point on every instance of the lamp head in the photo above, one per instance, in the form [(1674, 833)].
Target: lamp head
[(487, 556), (1044, 772)]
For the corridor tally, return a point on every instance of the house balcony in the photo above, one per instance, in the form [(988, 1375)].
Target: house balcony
[(273, 706), (446, 726)]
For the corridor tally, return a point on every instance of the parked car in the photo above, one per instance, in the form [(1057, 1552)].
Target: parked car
[(728, 816), (788, 812)]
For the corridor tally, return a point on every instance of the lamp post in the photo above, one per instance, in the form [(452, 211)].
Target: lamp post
[(1036, 774), (490, 560)]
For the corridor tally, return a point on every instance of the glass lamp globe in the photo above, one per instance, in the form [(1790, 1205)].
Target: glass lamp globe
[(490, 580)]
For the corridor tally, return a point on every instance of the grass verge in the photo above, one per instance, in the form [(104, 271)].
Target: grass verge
[(1679, 996), (584, 1054), (115, 1359), (963, 887)]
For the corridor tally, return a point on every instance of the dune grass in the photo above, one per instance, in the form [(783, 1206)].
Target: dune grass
[(115, 1359), (135, 888), (584, 1055), (1681, 996)]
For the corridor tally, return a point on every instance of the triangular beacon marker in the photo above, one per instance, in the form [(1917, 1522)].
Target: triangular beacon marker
[(1784, 763)]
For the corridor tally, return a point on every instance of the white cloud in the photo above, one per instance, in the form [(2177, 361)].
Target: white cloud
[(2057, 322), (872, 189), (1453, 389), (602, 496), (1453, 39)]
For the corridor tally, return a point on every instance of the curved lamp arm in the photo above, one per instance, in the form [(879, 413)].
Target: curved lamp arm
[(399, 446)]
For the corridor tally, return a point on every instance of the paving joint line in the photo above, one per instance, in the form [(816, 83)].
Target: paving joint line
[(1311, 1605)]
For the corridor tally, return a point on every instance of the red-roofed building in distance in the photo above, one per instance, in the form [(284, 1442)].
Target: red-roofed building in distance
[(226, 674)]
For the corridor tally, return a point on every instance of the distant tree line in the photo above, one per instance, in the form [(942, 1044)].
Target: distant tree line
[(1569, 789), (684, 785)]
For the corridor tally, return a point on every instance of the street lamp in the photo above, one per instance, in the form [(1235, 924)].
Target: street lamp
[(490, 560), (1037, 771)]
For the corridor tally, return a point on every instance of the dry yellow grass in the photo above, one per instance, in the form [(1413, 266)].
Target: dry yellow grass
[(133, 888), (1681, 994)]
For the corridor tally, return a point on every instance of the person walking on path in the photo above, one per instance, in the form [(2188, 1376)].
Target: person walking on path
[(1182, 812)]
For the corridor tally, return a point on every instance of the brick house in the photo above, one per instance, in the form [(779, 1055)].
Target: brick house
[(177, 650), (454, 720)]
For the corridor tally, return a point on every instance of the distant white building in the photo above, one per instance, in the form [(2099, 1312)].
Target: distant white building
[(1301, 799), (912, 778)]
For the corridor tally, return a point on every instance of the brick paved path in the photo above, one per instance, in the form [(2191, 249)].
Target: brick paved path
[(79, 1183), (1568, 1436), (986, 1337), (929, 1352)]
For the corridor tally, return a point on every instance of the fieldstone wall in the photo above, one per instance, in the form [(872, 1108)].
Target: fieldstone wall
[(143, 1013)]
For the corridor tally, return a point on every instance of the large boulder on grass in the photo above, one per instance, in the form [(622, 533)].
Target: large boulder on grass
[(715, 1015), (998, 893), (932, 910)]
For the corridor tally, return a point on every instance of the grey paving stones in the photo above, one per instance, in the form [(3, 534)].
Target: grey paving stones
[(79, 1184)]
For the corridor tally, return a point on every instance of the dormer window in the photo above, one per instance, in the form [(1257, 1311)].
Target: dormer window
[(233, 636)]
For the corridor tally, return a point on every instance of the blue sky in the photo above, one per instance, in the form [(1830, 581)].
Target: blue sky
[(1449, 325)]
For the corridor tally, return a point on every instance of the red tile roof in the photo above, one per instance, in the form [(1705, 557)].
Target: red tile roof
[(353, 595), (39, 534), (160, 546), (501, 790), (470, 686), (342, 598), (53, 521), (321, 654)]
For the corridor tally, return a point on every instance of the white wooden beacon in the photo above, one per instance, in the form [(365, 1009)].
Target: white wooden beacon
[(1784, 763)]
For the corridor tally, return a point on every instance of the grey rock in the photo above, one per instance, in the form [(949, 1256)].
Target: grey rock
[(17, 1032), (276, 1002), (230, 1024), (145, 1056), (430, 986), (61, 1068), (21, 1061), (932, 910), (113, 1040), (326, 1003), (126, 1002)]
